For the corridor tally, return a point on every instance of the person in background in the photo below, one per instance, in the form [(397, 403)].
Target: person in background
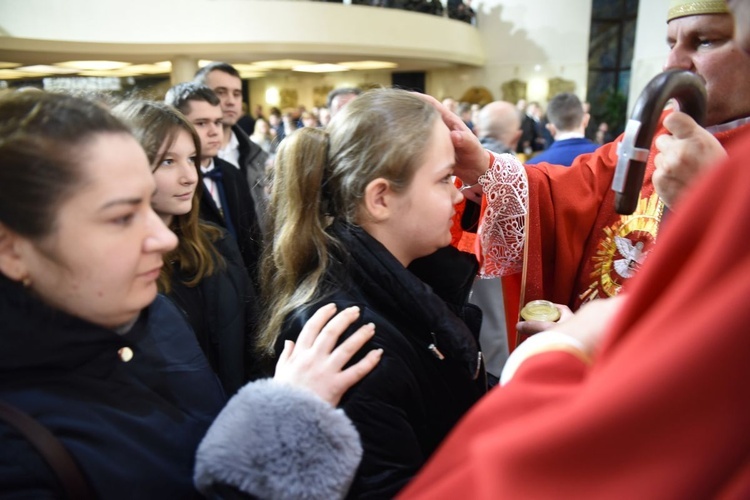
[(228, 202), (288, 123), (308, 119), (246, 122), (204, 275), (464, 111), (324, 116), (451, 104), (236, 146), (602, 134), (567, 124), (338, 98), (532, 138), (498, 127), (262, 136), (342, 200)]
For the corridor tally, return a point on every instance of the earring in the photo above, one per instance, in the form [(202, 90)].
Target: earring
[(26, 281)]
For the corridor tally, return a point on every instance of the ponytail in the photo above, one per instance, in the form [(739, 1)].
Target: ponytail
[(296, 254)]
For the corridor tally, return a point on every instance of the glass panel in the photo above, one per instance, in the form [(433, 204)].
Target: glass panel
[(603, 45), (628, 43), (623, 84), (631, 8), (606, 9)]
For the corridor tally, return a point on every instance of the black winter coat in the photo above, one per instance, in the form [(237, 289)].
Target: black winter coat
[(431, 370), (132, 427), (223, 312)]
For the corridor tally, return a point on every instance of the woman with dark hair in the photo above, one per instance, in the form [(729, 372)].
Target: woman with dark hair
[(89, 354), (205, 275)]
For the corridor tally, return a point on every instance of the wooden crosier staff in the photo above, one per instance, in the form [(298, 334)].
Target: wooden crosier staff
[(689, 91)]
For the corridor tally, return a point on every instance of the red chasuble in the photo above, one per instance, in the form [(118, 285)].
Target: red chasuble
[(578, 247)]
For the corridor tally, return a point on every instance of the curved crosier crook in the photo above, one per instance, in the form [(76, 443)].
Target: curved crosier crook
[(685, 87)]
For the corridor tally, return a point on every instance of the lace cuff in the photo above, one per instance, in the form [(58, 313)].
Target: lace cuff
[(501, 233)]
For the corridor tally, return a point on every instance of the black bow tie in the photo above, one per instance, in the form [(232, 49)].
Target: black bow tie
[(213, 174)]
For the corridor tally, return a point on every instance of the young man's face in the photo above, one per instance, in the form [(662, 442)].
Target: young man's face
[(207, 120), (229, 90)]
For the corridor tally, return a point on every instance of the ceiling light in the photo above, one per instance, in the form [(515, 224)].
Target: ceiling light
[(147, 69), (5, 65), (47, 70), (11, 74), (369, 65), (251, 74), (249, 67), (320, 68), (115, 73), (93, 65), (282, 64)]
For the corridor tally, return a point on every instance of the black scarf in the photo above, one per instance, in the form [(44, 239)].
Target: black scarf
[(406, 295)]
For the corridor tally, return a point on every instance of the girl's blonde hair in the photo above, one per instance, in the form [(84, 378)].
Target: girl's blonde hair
[(320, 176)]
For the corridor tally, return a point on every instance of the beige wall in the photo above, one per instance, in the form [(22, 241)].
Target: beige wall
[(529, 40), (650, 45)]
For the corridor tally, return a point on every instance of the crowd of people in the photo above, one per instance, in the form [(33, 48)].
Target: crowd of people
[(176, 322)]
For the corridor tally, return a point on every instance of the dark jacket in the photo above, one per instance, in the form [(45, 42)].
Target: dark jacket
[(430, 373), (241, 213), (223, 312), (133, 427), (253, 165)]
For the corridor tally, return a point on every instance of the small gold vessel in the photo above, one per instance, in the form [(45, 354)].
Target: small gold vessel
[(540, 310)]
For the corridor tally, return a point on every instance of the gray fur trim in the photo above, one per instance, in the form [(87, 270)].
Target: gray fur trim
[(274, 440)]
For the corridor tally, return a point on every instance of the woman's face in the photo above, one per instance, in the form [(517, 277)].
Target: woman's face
[(262, 127), (422, 214), (176, 177), (102, 259)]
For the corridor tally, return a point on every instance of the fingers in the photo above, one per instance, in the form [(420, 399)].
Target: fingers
[(315, 324), (286, 353), (285, 357), (348, 348), (532, 327), (331, 332), (565, 312), (453, 121), (681, 125)]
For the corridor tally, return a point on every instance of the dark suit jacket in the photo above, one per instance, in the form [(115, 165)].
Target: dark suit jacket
[(241, 210)]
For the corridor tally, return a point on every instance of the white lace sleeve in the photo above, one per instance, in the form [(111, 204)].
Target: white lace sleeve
[(502, 230)]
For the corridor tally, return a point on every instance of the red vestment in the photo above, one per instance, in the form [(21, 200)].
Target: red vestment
[(664, 410), (578, 247)]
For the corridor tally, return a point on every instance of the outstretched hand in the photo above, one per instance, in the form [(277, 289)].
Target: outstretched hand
[(472, 160), (684, 155), (591, 322), (528, 328), (313, 363)]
